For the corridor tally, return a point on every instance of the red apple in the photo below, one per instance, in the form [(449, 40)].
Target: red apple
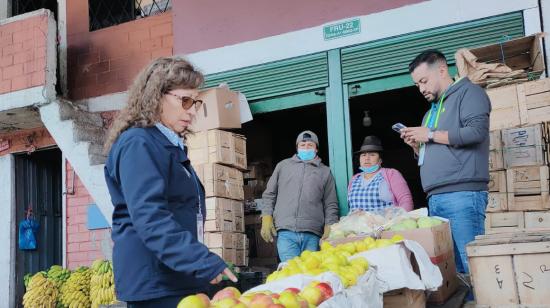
[(227, 302), (261, 301), (312, 295), (204, 298), (276, 306), (326, 290), (275, 295), (229, 292), (293, 290)]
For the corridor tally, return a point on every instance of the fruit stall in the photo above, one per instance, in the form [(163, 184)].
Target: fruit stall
[(369, 260)]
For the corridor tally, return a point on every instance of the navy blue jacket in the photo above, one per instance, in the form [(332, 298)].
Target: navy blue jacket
[(156, 201)]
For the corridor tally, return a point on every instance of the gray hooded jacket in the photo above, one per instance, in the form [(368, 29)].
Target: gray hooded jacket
[(464, 164), (301, 196)]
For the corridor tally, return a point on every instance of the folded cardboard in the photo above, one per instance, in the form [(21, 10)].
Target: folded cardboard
[(217, 146), (220, 109)]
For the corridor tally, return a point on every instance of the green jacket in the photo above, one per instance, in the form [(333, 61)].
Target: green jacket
[(301, 196)]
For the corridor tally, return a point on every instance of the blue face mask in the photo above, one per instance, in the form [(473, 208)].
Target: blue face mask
[(306, 154), (371, 169)]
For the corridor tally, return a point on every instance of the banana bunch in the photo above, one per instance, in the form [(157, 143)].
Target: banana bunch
[(102, 284), (41, 292), (58, 275), (27, 279), (75, 292)]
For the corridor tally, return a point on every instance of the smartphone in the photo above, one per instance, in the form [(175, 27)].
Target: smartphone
[(398, 127)]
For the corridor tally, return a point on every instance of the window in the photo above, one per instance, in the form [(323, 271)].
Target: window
[(19, 7), (106, 13)]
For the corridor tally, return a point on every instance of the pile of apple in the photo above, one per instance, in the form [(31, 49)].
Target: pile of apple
[(311, 296), (334, 259), (422, 222)]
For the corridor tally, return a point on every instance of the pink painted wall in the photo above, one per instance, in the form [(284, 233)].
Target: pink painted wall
[(206, 24)]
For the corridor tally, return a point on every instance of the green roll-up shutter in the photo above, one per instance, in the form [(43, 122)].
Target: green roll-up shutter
[(390, 57), (278, 78)]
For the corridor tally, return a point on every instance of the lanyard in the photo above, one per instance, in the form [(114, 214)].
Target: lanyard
[(432, 123), (433, 120)]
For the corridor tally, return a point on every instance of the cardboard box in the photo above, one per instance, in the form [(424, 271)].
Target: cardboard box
[(219, 225), (239, 240), (438, 243), (241, 258), (217, 146), (524, 146), (219, 240), (227, 254), (221, 181), (221, 110), (450, 282), (218, 207), (238, 223), (405, 298)]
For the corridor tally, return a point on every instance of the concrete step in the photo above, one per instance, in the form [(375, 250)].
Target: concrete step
[(90, 134), (70, 111), (96, 159)]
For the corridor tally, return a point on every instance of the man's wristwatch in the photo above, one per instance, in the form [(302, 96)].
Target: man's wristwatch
[(431, 136)]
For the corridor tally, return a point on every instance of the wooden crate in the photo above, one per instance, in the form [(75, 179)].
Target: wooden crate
[(519, 105), (504, 108), (510, 270), (504, 222), (496, 160), (524, 146), (537, 220), (498, 198), (527, 188)]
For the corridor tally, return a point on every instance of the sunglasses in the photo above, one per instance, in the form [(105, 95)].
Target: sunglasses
[(186, 101)]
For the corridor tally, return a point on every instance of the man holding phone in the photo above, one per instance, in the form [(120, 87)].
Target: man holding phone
[(453, 149)]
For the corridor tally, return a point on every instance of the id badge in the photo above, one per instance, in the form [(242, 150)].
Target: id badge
[(421, 153), (200, 228)]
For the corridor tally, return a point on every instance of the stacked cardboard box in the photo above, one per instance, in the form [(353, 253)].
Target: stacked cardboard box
[(219, 158), (438, 243), (518, 160)]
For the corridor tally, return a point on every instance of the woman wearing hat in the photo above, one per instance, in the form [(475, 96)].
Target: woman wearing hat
[(376, 187)]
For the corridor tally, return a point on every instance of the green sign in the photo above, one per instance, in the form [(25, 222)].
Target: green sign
[(342, 29)]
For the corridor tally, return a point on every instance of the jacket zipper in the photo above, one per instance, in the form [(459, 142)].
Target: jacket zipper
[(299, 196)]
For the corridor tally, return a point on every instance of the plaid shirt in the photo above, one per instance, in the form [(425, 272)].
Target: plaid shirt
[(367, 197)]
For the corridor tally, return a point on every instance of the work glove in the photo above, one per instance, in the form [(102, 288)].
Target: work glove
[(268, 229), (326, 232)]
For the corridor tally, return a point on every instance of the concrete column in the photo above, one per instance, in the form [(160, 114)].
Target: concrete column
[(7, 231), (5, 9), (545, 24)]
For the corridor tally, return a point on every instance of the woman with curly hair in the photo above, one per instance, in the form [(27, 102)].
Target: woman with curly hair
[(159, 209)]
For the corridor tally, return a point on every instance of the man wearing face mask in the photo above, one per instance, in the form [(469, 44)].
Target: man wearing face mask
[(453, 149), (299, 203)]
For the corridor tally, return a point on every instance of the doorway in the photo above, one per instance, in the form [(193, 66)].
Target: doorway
[(38, 187)]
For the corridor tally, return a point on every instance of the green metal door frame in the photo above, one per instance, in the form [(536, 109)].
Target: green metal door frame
[(338, 130)]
